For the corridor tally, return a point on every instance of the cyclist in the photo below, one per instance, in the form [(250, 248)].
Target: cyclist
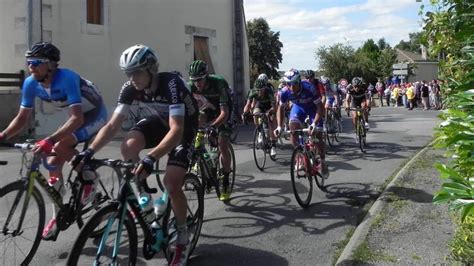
[(264, 77), (333, 96), (357, 96), (310, 76), (170, 129), (306, 101), (62, 88), (261, 100), (215, 106)]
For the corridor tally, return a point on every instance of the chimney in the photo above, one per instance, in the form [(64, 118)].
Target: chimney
[(424, 53)]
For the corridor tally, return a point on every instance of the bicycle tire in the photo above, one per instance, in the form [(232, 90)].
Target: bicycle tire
[(79, 251), (35, 240), (194, 219), (329, 128), (234, 134), (256, 146), (298, 155), (159, 177), (360, 135), (104, 193)]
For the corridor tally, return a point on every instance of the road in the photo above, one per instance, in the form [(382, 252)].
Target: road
[(262, 223)]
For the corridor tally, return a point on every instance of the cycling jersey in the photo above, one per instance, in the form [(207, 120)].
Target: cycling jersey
[(67, 89), (266, 98), (319, 87), (304, 103), (357, 96), (217, 92), (168, 96)]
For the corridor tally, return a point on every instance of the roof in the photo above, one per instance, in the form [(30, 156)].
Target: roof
[(407, 56)]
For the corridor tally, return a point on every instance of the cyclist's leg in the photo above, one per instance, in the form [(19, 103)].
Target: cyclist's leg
[(223, 142), (296, 121), (145, 134), (256, 110)]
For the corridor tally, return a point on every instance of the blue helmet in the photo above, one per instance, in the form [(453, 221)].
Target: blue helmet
[(292, 76)]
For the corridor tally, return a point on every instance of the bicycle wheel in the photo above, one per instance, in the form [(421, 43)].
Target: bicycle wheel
[(194, 192), (20, 246), (129, 121), (235, 133), (360, 133), (159, 178), (85, 250), (301, 178), (364, 133), (317, 174), (232, 170), (329, 128), (259, 153), (107, 189)]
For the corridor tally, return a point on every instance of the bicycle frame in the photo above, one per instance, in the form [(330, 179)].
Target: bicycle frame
[(308, 145), (199, 151)]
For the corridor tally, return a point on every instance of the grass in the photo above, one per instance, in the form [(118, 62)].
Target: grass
[(363, 253), (342, 244)]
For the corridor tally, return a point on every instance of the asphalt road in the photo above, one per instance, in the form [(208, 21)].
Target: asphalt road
[(262, 224)]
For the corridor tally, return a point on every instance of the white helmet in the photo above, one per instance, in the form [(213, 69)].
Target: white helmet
[(263, 77), (292, 76), (139, 57)]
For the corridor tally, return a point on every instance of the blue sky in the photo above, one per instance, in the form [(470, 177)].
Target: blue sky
[(306, 25)]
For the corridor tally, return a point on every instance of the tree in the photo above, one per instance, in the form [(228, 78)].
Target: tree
[(334, 61), (264, 49), (382, 44), (413, 45)]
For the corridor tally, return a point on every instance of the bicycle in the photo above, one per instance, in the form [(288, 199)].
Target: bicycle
[(360, 130), (305, 165), (120, 228), (261, 141), (206, 163), (23, 218), (332, 125), (136, 113)]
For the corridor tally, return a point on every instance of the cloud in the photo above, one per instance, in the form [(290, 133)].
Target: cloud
[(303, 28)]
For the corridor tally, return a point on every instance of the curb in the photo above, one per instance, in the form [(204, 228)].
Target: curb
[(362, 230)]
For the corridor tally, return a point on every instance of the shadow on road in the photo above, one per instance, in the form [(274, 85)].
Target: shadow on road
[(227, 254)]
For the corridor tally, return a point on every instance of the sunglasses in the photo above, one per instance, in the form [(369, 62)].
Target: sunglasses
[(197, 79), (36, 62), (136, 72)]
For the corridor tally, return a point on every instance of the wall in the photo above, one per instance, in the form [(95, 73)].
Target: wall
[(94, 51)]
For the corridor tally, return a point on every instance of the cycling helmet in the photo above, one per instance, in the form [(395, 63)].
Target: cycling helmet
[(263, 77), (259, 83), (292, 76), (44, 50), (325, 80), (139, 56), (197, 70), (309, 74), (356, 81)]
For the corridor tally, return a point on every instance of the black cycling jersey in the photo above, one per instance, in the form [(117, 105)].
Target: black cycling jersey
[(357, 95), (168, 96)]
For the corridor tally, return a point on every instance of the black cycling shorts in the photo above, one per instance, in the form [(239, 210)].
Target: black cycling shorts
[(154, 130)]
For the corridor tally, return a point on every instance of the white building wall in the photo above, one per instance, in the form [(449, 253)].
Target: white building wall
[(93, 51)]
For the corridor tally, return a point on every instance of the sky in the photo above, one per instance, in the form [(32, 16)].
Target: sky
[(306, 25)]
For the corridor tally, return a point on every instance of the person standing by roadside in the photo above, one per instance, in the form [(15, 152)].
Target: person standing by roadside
[(410, 94), (388, 94), (380, 87), (396, 94), (435, 89), (425, 95)]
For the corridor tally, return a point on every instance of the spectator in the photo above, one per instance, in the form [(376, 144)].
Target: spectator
[(435, 89), (379, 86), (425, 95), (417, 101), (410, 94), (387, 94), (396, 94)]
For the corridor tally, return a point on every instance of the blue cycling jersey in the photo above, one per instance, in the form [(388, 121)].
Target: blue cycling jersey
[(67, 89), (306, 98)]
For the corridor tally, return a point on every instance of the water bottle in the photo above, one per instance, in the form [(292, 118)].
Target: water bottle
[(158, 234), (146, 206), (160, 205), (213, 156)]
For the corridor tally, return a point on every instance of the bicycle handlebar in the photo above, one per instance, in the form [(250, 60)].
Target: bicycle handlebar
[(24, 147)]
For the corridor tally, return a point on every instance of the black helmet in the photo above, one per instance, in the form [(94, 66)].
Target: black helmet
[(197, 70), (309, 74), (356, 81), (44, 50)]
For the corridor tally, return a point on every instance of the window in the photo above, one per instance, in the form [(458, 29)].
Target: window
[(95, 12), (201, 52)]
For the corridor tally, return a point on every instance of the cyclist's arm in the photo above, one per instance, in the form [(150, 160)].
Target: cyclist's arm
[(171, 139), (74, 122), (222, 116), (247, 106), (18, 123), (319, 112), (107, 132), (348, 100)]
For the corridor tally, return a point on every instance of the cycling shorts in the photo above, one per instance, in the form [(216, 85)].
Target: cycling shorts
[(154, 129), (331, 102), (94, 120), (298, 115), (224, 130)]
